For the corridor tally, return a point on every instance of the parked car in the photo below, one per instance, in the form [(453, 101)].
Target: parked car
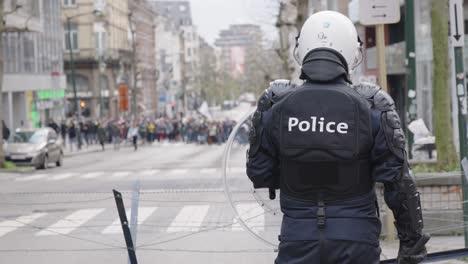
[(36, 148)]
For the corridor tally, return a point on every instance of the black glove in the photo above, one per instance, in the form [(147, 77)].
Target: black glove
[(413, 251)]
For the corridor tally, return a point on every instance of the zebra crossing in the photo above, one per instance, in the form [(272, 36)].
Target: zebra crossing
[(186, 219), (176, 173)]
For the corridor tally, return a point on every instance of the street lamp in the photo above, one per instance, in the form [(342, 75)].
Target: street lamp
[(96, 13), (134, 66)]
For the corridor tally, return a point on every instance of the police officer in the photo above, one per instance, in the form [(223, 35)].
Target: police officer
[(324, 144)]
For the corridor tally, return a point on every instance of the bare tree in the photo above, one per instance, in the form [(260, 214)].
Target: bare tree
[(446, 155)]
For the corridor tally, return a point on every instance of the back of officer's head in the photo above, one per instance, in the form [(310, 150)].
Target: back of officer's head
[(329, 30)]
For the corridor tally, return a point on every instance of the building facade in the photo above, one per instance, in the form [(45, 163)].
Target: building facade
[(181, 54), (169, 61), (235, 44), (97, 46), (33, 83), (143, 29)]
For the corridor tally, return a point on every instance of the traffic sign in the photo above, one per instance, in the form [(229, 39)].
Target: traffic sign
[(375, 12), (457, 30)]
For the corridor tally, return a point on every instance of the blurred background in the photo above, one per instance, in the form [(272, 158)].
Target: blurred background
[(143, 95)]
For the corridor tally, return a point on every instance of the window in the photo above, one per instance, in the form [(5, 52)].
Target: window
[(69, 3), (35, 9), (100, 37), (71, 36), (28, 53)]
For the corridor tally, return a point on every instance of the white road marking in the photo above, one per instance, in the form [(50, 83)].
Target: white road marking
[(148, 173), (209, 171), (71, 222), (32, 177), (92, 175), (178, 172), (237, 170), (252, 214), (189, 219), (11, 225), (62, 176), (143, 214), (120, 174)]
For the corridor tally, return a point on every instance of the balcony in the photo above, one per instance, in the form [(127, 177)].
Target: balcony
[(395, 56), (23, 15), (91, 55)]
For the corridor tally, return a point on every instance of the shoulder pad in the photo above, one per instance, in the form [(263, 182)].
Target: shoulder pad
[(278, 89), (379, 99), (366, 90), (383, 101), (391, 123)]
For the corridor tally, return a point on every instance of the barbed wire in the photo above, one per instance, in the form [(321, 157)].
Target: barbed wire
[(28, 250), (209, 251), (222, 226), (154, 243), (61, 234), (56, 203)]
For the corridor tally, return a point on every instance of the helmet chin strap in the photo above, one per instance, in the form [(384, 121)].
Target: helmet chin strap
[(295, 55), (357, 62)]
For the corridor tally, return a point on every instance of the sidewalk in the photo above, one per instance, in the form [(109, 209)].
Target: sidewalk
[(436, 244), (84, 150)]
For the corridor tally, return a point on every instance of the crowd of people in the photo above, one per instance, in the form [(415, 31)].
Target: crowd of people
[(77, 134)]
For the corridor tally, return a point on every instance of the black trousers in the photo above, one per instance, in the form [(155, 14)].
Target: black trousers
[(134, 139), (335, 252)]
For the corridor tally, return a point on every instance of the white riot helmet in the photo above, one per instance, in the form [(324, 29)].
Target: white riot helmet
[(329, 30)]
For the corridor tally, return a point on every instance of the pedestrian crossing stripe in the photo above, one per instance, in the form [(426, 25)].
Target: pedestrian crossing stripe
[(253, 215), (92, 175), (209, 171), (120, 174), (32, 177), (150, 174), (11, 225), (116, 226), (189, 218), (62, 176), (71, 222), (178, 172)]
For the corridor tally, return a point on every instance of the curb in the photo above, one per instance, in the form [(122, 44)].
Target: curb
[(82, 152), (19, 170)]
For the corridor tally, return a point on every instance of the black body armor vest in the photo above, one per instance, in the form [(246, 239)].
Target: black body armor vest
[(324, 136)]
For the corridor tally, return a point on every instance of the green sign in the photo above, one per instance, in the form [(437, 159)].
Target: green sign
[(50, 94)]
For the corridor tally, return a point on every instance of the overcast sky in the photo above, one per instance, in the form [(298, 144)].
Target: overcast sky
[(211, 16)]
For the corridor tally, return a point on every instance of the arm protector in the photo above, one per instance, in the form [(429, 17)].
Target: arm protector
[(400, 193)]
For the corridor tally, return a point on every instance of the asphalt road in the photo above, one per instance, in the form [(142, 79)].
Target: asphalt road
[(68, 214)]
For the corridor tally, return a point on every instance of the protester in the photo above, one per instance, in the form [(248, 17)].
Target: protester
[(133, 135), (5, 131)]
